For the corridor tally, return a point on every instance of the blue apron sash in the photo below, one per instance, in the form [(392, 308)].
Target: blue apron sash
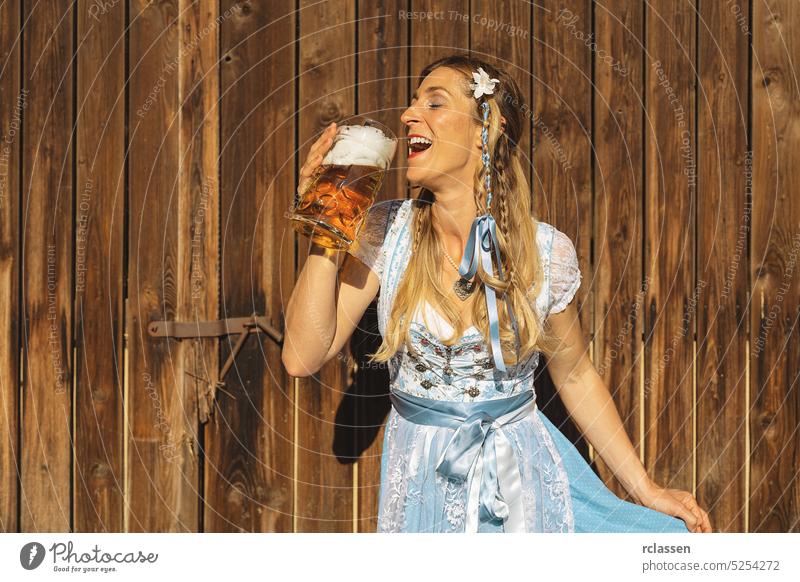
[(479, 451)]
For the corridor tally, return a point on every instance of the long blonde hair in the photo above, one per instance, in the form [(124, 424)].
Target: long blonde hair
[(516, 233)]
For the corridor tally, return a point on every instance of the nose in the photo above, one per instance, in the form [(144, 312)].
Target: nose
[(409, 116)]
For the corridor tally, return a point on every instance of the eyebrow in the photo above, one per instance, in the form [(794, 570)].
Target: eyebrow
[(431, 90)]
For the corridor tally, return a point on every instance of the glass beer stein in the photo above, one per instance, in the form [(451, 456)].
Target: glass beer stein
[(334, 203)]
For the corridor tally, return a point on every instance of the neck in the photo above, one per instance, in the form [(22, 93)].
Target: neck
[(453, 214)]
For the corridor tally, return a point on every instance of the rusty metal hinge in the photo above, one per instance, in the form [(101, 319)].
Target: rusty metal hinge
[(244, 326)]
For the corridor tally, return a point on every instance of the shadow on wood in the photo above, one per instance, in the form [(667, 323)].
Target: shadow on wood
[(553, 408), (366, 403)]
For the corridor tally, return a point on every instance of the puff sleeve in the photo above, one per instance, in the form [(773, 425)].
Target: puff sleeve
[(565, 274), (368, 244)]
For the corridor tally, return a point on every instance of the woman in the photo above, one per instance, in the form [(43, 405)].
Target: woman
[(465, 447)]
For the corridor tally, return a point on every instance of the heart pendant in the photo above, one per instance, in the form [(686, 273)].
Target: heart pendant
[(463, 288)]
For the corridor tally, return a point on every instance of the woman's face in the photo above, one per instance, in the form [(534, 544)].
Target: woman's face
[(444, 116)]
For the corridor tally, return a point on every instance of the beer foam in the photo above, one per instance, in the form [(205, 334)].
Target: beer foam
[(361, 145)]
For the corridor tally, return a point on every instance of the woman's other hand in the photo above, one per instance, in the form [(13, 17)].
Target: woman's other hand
[(679, 503)]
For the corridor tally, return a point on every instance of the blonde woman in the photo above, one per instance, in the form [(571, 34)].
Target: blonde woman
[(472, 290)]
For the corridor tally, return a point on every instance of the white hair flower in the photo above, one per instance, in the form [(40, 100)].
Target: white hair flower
[(483, 85)]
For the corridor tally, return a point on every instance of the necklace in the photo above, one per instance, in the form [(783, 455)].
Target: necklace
[(463, 287)]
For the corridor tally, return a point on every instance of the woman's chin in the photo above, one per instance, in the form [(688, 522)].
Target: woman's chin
[(416, 177)]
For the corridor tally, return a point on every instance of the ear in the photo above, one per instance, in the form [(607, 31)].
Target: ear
[(478, 137)]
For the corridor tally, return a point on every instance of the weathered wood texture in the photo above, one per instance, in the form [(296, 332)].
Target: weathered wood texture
[(150, 150)]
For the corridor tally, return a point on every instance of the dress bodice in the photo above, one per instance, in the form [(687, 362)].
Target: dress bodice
[(463, 371)]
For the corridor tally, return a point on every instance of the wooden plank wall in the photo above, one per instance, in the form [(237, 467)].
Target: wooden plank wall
[(46, 319), (99, 270), (773, 396), (13, 101), (149, 151), (724, 204), (248, 473), (669, 197), (158, 409), (618, 206)]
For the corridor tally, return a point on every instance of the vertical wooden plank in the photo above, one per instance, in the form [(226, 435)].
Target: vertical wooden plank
[(562, 127), (161, 472), (432, 39), (774, 399), (500, 34), (723, 226), (99, 242), (669, 243), (618, 211), (47, 268), (249, 470), (11, 119), (326, 93), (198, 226), (383, 79), (562, 187)]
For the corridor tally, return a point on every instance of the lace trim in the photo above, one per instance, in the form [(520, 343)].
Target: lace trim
[(565, 274), (392, 492), (369, 245), (392, 261)]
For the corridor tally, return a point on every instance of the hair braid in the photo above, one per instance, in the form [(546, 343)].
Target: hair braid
[(505, 182), (419, 218)]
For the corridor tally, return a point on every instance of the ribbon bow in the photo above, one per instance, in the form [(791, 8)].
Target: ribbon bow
[(479, 452), (461, 455)]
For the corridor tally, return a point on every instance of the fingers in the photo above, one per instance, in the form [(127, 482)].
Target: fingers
[(701, 522), (323, 143), (687, 516), (316, 154), (706, 522), (320, 146), (681, 507)]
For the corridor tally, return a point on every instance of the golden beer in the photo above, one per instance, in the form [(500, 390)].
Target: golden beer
[(345, 185)]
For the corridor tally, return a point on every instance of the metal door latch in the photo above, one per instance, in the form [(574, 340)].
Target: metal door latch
[(244, 326)]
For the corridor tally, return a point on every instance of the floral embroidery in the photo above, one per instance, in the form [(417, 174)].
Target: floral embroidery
[(454, 504)]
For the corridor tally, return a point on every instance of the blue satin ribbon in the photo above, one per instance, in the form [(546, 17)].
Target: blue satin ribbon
[(472, 453), (484, 229)]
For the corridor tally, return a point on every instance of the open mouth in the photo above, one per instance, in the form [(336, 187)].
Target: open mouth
[(417, 145)]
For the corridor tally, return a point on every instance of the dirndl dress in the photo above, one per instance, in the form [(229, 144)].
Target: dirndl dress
[(466, 449)]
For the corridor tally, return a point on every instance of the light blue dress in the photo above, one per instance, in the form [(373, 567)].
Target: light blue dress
[(559, 491)]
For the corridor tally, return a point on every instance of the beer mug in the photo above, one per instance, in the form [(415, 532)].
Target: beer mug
[(333, 205)]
